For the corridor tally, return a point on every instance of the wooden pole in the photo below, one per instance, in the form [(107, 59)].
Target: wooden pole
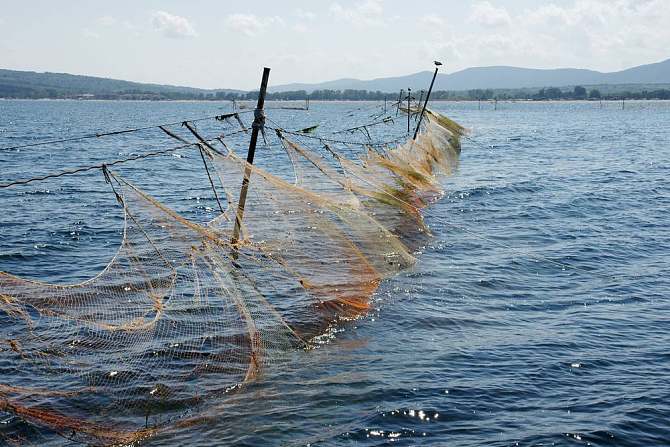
[(425, 103), (409, 98), (397, 110), (256, 127)]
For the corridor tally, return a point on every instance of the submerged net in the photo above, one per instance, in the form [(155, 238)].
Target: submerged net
[(181, 317)]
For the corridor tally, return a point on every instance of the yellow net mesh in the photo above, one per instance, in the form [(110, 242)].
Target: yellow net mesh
[(180, 317)]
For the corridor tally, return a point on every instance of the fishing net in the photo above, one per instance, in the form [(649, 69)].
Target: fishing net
[(184, 314)]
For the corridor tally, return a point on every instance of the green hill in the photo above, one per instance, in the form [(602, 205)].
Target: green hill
[(30, 84)]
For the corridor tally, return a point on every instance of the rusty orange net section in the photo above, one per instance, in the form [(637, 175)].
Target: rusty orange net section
[(180, 318)]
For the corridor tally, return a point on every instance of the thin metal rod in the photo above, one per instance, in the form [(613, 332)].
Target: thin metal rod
[(211, 183), (425, 103), (172, 134), (258, 123), (195, 133)]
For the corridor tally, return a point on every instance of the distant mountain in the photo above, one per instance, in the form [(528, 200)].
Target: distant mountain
[(27, 84), (499, 77), (30, 84)]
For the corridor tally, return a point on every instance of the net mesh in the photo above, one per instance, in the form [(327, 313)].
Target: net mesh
[(181, 318)]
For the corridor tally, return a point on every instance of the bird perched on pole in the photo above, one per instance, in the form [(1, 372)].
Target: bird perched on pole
[(430, 89)]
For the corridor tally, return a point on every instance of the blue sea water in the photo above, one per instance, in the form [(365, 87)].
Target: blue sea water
[(538, 314)]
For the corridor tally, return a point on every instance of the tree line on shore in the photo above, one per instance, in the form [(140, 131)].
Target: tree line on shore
[(547, 93)]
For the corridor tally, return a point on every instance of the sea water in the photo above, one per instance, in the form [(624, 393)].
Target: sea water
[(537, 315)]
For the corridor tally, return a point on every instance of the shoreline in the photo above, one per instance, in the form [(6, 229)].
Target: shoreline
[(301, 101)]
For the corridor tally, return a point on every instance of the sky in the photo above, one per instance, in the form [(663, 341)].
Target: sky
[(225, 44)]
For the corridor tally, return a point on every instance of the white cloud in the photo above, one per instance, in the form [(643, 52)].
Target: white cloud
[(304, 15), (606, 35), (363, 14), (304, 19), (443, 50), (300, 28), (172, 26), (614, 33), (484, 13), (106, 21), (433, 20), (251, 24), (90, 34)]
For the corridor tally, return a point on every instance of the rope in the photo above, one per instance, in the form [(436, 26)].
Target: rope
[(330, 140), (118, 161), (388, 119), (98, 166), (259, 123), (118, 132), (259, 120)]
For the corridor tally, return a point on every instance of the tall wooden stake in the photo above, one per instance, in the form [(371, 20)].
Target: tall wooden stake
[(258, 118)]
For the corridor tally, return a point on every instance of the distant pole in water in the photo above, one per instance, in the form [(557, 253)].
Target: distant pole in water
[(416, 117), (425, 103), (255, 128), (495, 104), (409, 98), (479, 104), (623, 103), (384, 103), (397, 110), (307, 102)]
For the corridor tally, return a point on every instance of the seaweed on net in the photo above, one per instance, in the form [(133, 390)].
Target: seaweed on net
[(181, 318)]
